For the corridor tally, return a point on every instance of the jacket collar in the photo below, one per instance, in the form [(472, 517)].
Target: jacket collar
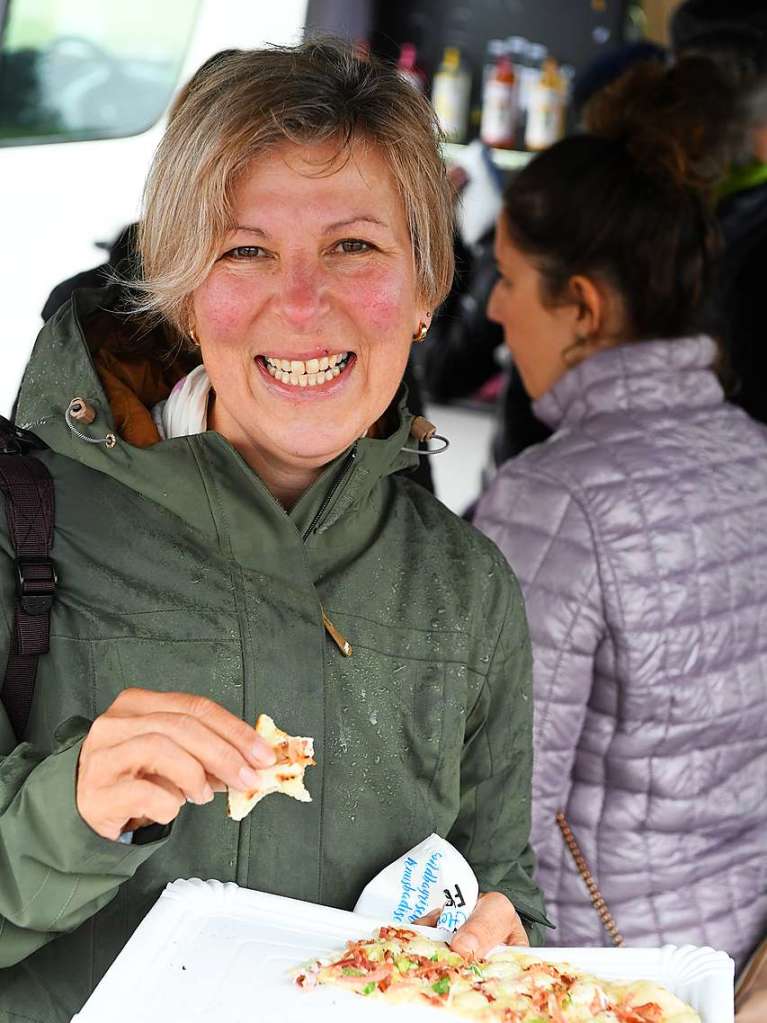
[(62, 367), (646, 376)]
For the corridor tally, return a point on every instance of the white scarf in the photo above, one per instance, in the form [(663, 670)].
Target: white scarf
[(186, 409)]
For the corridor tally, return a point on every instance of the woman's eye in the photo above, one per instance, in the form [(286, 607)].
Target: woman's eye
[(246, 252), (352, 245)]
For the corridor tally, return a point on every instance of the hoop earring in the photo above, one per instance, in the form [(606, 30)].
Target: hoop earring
[(423, 330)]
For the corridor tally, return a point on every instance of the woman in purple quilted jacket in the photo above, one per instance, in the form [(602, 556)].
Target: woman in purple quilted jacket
[(638, 530)]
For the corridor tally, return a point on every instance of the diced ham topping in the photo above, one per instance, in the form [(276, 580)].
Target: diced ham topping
[(483, 991), (396, 934), (650, 1012)]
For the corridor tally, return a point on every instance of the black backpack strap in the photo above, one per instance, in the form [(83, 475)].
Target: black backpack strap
[(27, 489)]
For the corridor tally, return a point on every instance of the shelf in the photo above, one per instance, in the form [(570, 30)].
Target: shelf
[(506, 159)]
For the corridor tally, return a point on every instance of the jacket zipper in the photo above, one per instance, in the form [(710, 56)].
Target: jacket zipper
[(338, 638), (342, 478)]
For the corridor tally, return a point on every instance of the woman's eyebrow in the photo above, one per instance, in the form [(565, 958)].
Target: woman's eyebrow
[(346, 222), (355, 220)]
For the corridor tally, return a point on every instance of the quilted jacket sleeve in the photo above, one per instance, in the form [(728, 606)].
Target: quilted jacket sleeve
[(55, 871), (493, 827), (544, 533)]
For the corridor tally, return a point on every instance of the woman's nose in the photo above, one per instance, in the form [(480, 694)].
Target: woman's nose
[(302, 297)]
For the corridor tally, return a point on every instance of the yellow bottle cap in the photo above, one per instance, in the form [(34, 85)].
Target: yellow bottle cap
[(550, 76), (451, 60)]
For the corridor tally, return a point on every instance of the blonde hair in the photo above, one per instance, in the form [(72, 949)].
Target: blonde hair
[(243, 103)]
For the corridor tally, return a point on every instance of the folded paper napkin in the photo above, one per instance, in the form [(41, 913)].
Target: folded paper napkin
[(432, 875)]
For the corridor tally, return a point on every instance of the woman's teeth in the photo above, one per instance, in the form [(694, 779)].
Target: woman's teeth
[(309, 373)]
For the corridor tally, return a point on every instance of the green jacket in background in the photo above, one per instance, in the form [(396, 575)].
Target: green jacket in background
[(179, 571)]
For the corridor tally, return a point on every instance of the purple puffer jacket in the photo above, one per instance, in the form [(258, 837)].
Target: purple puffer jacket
[(639, 534)]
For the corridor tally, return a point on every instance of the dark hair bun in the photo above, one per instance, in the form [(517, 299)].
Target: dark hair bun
[(676, 122)]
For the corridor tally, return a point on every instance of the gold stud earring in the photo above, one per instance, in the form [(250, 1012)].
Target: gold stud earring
[(193, 338), (423, 330)]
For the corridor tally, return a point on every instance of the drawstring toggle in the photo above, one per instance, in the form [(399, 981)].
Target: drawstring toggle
[(82, 411), (422, 431)]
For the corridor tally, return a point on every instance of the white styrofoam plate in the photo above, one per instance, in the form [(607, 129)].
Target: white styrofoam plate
[(216, 952)]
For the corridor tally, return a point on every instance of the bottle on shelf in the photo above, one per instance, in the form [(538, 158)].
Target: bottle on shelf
[(495, 49), (408, 67), (546, 108), (498, 127), (531, 63), (451, 91)]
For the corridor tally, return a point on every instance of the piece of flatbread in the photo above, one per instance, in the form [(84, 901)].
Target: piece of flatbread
[(398, 965), (294, 755)]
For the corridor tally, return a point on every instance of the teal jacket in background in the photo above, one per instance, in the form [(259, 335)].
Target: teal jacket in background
[(179, 571)]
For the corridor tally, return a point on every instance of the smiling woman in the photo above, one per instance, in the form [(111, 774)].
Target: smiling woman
[(360, 278), (234, 537), (270, 318)]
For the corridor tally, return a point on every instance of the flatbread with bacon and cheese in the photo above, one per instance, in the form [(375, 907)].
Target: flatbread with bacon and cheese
[(399, 965), (294, 755)]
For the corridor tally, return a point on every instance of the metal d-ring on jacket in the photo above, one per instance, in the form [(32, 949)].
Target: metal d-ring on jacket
[(179, 571), (638, 534)]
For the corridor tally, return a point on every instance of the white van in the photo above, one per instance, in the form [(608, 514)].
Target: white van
[(84, 89)]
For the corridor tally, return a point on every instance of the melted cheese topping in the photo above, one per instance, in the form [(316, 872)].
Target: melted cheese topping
[(402, 966)]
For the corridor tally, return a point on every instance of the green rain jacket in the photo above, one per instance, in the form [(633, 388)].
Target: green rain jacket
[(179, 571)]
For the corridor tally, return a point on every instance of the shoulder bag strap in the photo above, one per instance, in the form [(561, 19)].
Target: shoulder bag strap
[(27, 489), (588, 879)]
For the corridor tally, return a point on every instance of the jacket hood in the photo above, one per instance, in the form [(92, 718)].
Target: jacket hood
[(646, 376), (80, 352)]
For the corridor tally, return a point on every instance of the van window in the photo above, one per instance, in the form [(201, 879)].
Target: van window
[(88, 69)]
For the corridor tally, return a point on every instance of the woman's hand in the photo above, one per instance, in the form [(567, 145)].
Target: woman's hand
[(493, 922), (150, 753)]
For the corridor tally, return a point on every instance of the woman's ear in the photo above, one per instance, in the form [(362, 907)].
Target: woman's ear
[(590, 308)]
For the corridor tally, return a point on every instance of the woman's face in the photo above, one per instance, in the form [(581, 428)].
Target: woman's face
[(537, 335), (306, 319)]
